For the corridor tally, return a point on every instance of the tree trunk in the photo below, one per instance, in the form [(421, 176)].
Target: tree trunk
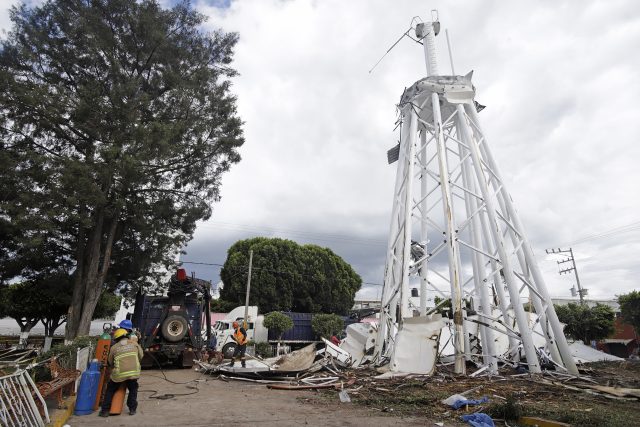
[(25, 328), (51, 325), (78, 290), (90, 277)]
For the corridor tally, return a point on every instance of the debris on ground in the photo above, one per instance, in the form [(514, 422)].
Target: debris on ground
[(605, 394), (478, 420)]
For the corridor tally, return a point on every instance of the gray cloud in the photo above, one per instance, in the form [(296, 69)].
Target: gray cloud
[(559, 80)]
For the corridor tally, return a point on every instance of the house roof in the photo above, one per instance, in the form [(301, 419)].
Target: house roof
[(617, 341)]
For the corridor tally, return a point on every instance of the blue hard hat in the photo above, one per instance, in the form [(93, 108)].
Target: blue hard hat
[(126, 324)]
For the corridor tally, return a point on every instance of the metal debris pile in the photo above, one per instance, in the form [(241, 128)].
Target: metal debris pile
[(14, 358), (602, 389)]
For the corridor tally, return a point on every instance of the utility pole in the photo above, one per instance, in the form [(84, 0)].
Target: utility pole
[(246, 301), (581, 292)]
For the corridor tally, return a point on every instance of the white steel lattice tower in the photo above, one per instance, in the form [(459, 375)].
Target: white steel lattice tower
[(455, 231)]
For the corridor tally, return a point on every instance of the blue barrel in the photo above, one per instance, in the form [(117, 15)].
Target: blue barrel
[(88, 389)]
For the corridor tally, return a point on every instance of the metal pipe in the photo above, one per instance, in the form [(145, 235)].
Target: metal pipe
[(446, 33), (246, 301), (408, 203), (430, 52), (424, 268)]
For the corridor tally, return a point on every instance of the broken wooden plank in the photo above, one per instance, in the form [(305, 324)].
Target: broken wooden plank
[(617, 391), (302, 387)]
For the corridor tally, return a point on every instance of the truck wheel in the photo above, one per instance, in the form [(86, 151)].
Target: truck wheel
[(174, 328), (228, 350)]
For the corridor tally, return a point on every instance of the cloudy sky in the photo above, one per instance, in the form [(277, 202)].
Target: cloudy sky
[(559, 79)]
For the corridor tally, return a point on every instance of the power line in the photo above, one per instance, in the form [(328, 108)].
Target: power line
[(608, 233)]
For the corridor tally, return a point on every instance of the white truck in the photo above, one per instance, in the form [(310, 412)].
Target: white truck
[(299, 335), (223, 329)]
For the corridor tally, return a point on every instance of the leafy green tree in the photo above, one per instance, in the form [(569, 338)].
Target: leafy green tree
[(630, 308), (108, 306), (22, 304), (279, 323), (586, 323), (289, 276), (47, 300), (220, 306), (326, 325), (116, 124)]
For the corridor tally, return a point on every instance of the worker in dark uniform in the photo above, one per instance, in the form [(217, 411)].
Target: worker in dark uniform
[(240, 337), (124, 358)]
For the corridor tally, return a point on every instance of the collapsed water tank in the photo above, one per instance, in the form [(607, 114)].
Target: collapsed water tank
[(88, 389)]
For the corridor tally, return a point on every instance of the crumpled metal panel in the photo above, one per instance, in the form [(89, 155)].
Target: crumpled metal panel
[(361, 338), (416, 345)]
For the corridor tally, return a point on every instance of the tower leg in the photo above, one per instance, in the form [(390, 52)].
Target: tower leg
[(455, 278), (471, 204), (552, 317), (510, 278), (423, 222)]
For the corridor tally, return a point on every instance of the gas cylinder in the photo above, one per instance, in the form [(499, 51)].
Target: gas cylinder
[(88, 389), (102, 354), (118, 400)]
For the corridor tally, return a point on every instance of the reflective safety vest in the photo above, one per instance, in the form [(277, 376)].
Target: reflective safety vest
[(241, 336), (124, 357)]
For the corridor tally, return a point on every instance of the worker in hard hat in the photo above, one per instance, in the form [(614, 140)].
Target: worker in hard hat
[(240, 337), (124, 358), (128, 326)]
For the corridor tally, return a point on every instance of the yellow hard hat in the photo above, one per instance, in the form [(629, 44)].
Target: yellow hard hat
[(119, 333)]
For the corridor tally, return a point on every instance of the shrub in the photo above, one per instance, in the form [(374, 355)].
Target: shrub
[(326, 325), (264, 350)]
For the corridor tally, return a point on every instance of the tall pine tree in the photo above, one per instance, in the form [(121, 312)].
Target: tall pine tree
[(118, 121)]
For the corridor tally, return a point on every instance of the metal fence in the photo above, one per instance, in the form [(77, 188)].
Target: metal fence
[(20, 400), (18, 408)]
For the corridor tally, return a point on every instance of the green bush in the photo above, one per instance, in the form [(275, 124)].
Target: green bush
[(264, 350), (326, 325), (278, 322)]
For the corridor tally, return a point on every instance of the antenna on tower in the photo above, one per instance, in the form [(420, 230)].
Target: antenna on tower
[(405, 34)]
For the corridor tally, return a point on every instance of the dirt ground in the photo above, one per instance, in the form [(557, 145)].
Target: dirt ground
[(375, 402), (220, 403)]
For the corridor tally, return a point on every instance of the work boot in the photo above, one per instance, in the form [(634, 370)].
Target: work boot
[(103, 414), (231, 364), (244, 365), (132, 411)]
